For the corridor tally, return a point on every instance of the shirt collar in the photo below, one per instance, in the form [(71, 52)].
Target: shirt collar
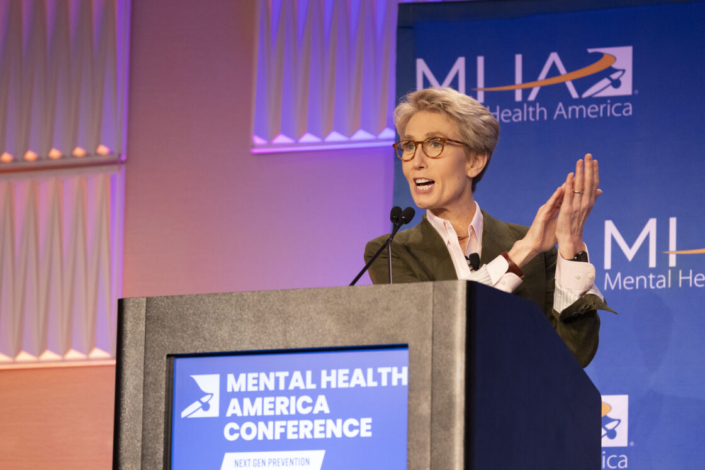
[(445, 228)]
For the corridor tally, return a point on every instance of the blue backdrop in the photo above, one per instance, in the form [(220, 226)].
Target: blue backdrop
[(642, 117)]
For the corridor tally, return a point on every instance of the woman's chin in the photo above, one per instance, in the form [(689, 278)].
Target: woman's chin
[(422, 202)]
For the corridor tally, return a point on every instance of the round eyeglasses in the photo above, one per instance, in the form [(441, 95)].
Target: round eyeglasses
[(432, 147)]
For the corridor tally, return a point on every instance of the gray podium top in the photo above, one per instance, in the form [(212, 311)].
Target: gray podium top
[(471, 348)]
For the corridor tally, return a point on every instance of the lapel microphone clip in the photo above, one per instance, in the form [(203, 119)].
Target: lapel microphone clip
[(473, 261)]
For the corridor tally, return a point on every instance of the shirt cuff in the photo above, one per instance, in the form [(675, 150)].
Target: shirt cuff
[(575, 276), (563, 298), (500, 278), (574, 279)]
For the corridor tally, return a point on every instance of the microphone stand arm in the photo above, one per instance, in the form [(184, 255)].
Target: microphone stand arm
[(387, 245), (389, 251)]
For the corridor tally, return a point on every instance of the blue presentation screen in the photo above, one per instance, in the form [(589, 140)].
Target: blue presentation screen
[(340, 409)]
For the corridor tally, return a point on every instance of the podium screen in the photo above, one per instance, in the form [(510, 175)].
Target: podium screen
[(321, 409)]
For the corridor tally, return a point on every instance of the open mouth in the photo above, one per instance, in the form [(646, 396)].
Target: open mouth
[(423, 184)]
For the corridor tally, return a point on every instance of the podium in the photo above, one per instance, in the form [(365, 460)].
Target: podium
[(490, 383)]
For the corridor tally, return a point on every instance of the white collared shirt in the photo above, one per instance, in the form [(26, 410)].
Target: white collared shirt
[(573, 279)]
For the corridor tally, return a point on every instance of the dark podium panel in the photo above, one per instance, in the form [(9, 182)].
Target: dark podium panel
[(491, 385)]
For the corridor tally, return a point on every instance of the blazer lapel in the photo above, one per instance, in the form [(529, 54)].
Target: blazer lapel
[(496, 238), (428, 248)]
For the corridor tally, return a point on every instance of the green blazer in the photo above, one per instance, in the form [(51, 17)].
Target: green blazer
[(419, 255)]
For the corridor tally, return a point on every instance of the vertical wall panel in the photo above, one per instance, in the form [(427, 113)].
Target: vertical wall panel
[(62, 81), (60, 256), (63, 89), (325, 74)]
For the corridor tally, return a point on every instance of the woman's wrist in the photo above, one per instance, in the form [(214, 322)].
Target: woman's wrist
[(568, 249), (521, 253)]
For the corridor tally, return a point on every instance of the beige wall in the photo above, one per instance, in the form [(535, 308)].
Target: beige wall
[(202, 213), (57, 419)]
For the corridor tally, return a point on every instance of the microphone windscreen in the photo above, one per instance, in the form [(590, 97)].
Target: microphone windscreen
[(395, 214), (408, 215)]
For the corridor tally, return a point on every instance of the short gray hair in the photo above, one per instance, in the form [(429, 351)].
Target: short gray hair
[(478, 128)]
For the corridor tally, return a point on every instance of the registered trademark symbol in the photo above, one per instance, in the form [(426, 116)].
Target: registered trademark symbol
[(636, 92), (631, 444)]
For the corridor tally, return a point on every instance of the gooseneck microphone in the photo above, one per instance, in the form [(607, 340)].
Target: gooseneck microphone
[(396, 214), (398, 218), (408, 215)]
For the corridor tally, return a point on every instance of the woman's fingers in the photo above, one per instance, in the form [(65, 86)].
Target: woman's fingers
[(589, 186), (551, 203), (579, 193), (568, 194), (542, 232), (597, 174), (548, 211), (579, 181), (556, 201), (555, 197)]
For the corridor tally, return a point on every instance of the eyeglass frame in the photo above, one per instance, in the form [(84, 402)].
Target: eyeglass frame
[(444, 141)]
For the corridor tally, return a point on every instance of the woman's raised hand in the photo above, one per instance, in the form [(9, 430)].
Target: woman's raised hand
[(563, 217), (542, 233), (580, 192)]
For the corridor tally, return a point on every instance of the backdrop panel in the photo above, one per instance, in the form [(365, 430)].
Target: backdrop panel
[(629, 92)]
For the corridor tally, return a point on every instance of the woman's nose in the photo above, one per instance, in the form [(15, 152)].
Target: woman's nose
[(419, 161)]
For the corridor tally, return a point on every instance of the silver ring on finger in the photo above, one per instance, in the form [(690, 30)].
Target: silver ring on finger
[(578, 192)]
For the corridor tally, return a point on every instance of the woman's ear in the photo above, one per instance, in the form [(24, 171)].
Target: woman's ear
[(475, 164)]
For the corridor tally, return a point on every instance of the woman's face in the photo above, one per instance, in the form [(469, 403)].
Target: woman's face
[(440, 184)]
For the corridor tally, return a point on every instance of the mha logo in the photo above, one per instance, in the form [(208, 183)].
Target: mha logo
[(615, 420), (608, 73), (207, 406), (672, 278), (615, 429)]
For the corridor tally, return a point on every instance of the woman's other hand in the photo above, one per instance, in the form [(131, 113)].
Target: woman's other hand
[(580, 192)]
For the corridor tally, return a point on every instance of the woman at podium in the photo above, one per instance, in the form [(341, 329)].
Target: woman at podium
[(447, 140)]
